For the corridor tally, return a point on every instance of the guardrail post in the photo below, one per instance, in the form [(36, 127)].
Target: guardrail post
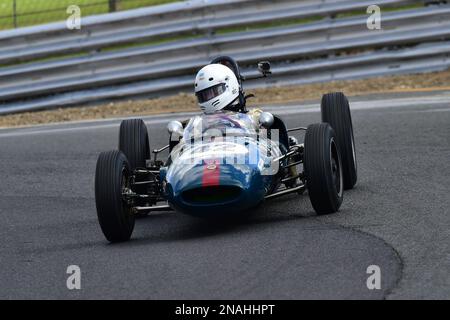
[(112, 5), (15, 14)]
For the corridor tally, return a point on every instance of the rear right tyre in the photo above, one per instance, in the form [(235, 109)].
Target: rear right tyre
[(134, 142)]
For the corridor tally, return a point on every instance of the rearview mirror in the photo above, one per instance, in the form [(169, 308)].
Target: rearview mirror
[(175, 127), (266, 119), (264, 67)]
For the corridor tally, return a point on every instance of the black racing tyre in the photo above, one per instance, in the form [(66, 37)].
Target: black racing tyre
[(134, 143), (335, 110), (111, 178), (323, 169)]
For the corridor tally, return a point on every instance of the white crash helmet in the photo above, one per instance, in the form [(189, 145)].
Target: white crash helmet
[(216, 87)]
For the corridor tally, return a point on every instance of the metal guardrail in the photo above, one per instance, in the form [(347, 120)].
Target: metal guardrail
[(148, 24), (330, 48)]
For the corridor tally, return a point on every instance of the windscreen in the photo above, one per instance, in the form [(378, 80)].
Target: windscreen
[(227, 123)]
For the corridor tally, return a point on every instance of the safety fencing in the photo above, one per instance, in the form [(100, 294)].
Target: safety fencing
[(157, 50)]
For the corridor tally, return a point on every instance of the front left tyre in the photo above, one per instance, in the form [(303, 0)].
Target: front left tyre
[(323, 168), (111, 182)]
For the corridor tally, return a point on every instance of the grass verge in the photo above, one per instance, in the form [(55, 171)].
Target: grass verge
[(32, 12)]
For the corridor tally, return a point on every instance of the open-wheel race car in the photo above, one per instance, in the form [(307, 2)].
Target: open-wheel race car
[(225, 162)]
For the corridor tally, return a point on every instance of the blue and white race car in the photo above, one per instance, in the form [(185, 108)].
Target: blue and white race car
[(225, 162)]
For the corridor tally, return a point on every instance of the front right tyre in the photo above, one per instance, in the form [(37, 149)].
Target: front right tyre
[(323, 169), (111, 182)]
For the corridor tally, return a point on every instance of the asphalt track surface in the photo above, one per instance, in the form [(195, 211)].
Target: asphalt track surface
[(397, 217)]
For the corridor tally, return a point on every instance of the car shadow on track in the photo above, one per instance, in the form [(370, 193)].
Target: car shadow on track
[(167, 227), (174, 226)]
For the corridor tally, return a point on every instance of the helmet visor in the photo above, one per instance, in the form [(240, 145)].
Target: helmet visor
[(210, 93)]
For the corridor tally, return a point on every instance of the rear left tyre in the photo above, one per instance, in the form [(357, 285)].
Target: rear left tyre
[(323, 168), (111, 182), (335, 110)]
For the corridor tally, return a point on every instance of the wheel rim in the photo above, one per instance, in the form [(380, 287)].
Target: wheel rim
[(336, 168), (124, 185)]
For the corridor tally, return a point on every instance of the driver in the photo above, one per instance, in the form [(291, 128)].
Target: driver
[(217, 88)]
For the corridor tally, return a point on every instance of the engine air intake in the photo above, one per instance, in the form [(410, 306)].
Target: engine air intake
[(211, 195)]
